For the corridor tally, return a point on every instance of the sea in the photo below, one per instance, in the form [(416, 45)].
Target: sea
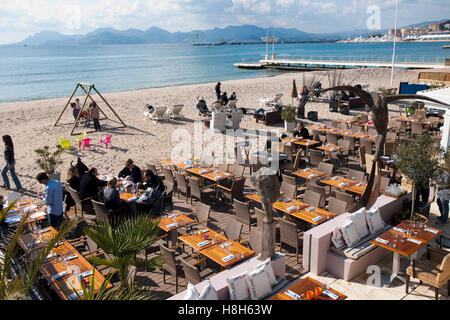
[(31, 73)]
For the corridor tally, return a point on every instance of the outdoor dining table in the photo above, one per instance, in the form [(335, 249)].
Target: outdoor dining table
[(405, 239), (410, 120), (310, 174), (346, 184), (329, 148), (171, 222), (212, 174), (298, 209), (297, 291), (62, 266), (16, 213)]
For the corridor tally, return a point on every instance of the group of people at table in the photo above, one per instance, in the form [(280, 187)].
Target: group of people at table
[(89, 186)]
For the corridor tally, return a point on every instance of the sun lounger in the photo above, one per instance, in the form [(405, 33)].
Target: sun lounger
[(174, 111), (157, 114), (231, 105), (268, 102)]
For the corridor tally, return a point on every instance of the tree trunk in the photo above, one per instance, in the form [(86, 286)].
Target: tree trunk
[(268, 240), (413, 200)]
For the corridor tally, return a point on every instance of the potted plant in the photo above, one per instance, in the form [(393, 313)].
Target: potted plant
[(406, 215), (49, 161), (418, 162), (288, 115)]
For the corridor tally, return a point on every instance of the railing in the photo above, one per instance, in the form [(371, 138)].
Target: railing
[(373, 59)]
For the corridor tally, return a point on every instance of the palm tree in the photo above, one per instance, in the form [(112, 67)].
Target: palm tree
[(17, 288), (122, 240)]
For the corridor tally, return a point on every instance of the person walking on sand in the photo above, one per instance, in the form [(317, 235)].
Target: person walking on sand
[(95, 115), (218, 90), (9, 166)]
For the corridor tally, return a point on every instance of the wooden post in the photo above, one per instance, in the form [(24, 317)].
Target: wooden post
[(70, 99), (81, 111), (108, 105)]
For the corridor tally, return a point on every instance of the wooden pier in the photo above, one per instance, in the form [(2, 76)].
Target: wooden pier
[(320, 63)]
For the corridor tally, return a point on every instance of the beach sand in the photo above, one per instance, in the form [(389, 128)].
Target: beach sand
[(30, 124)]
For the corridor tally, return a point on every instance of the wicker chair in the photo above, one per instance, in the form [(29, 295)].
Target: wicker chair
[(182, 185), (342, 156), (232, 230), (433, 269), (235, 192), (326, 168), (289, 179), (332, 139), (417, 129), (391, 136), (320, 190), (243, 214), (200, 193), (368, 146), (356, 175), (312, 198), (289, 235), (100, 210), (289, 190), (362, 157), (345, 197), (254, 241), (315, 157), (337, 206), (85, 205)]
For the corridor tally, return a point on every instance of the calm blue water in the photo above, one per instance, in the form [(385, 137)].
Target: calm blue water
[(29, 73)]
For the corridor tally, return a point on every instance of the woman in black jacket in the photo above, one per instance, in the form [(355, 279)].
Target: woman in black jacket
[(151, 181), (9, 166)]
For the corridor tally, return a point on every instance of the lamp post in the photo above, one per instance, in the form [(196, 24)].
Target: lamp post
[(395, 37)]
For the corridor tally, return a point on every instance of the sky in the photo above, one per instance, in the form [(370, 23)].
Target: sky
[(22, 18)]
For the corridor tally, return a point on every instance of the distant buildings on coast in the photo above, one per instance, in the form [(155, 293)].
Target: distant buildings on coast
[(434, 32)]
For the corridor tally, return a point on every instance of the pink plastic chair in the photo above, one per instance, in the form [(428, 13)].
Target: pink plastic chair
[(106, 141), (86, 143)]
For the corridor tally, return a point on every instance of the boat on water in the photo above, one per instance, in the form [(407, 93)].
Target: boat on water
[(446, 47)]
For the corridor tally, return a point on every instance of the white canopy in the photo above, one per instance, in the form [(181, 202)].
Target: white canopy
[(443, 95)]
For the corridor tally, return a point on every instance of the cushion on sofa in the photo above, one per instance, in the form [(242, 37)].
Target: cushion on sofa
[(191, 292), (350, 234), (374, 220), (209, 293), (337, 238), (237, 286), (267, 266), (258, 284), (359, 218)]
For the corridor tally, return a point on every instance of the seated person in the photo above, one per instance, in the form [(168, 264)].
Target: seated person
[(131, 170), (301, 131), (111, 197), (224, 98), (150, 108), (90, 185), (73, 180), (233, 96), (151, 181)]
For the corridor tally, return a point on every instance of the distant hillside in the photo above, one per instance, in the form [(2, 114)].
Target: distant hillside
[(244, 33)]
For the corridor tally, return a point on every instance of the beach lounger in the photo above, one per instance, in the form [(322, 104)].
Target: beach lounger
[(268, 102), (158, 114), (231, 105), (174, 111), (218, 121)]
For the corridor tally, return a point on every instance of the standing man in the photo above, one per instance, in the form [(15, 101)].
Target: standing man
[(95, 115), (53, 198), (218, 90)]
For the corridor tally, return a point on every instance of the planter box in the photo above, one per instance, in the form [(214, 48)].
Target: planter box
[(289, 126)]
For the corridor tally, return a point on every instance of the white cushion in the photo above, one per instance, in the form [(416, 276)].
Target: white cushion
[(258, 284), (337, 239), (209, 293), (237, 286), (374, 220), (350, 234), (267, 266), (191, 292), (359, 218)]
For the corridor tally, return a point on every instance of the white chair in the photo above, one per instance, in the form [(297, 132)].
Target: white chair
[(158, 114), (276, 99), (235, 120), (231, 105), (174, 111), (218, 121), (13, 196), (268, 102)]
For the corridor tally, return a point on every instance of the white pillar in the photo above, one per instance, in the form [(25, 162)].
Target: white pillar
[(445, 142)]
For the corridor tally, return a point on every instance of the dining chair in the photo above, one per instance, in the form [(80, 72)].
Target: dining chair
[(289, 179), (238, 171), (243, 213), (254, 241), (312, 198), (417, 129), (372, 131), (332, 139), (356, 128), (289, 235), (342, 155), (344, 196), (319, 190), (84, 206), (235, 192), (356, 175), (169, 178), (352, 145), (200, 193), (326, 168), (368, 146), (337, 206), (233, 230), (362, 157), (192, 273), (289, 190), (391, 136), (315, 157), (100, 210), (182, 185)]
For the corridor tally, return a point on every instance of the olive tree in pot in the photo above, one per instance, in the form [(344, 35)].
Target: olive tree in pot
[(418, 161), (49, 161), (288, 115)]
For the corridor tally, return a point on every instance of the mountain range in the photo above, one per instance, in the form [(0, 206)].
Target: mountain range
[(243, 33)]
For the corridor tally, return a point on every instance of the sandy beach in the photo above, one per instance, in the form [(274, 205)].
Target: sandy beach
[(30, 124)]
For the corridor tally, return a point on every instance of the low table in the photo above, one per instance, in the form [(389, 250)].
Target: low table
[(401, 243), (308, 284)]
